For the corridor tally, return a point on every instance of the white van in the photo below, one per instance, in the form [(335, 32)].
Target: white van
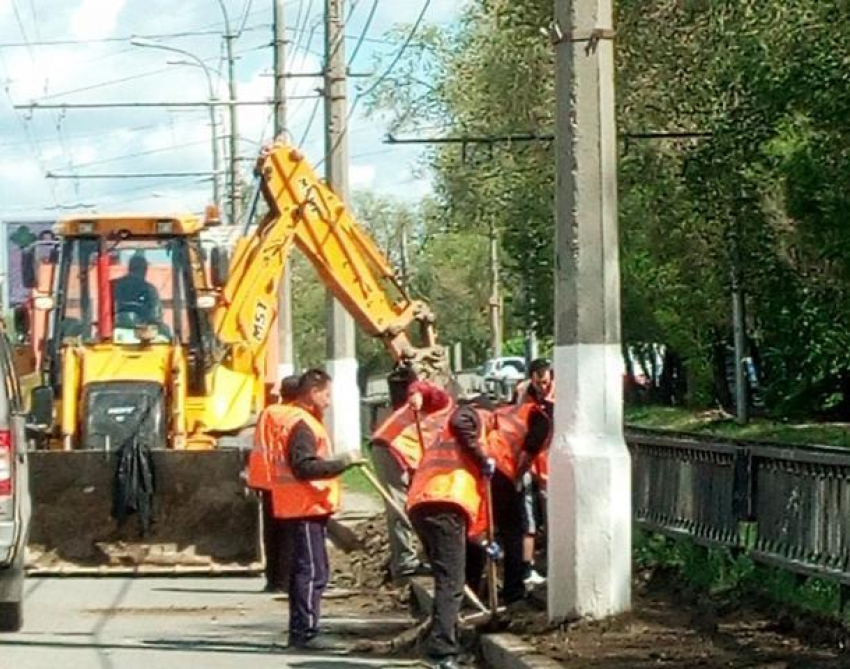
[(14, 493)]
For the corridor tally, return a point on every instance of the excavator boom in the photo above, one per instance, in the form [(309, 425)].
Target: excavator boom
[(304, 212)]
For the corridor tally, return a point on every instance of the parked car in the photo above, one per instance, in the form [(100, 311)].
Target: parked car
[(502, 374), (15, 501)]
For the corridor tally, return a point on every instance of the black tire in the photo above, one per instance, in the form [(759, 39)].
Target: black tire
[(11, 616)]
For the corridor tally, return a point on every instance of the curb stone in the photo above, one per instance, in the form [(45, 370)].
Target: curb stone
[(508, 651), (500, 651)]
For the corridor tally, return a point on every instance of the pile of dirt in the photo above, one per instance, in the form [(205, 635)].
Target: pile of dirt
[(367, 570), (673, 628)]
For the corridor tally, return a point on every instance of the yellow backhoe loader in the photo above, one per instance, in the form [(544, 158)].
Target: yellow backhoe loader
[(155, 343)]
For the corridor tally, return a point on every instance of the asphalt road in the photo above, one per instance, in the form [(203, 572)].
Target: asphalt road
[(163, 623)]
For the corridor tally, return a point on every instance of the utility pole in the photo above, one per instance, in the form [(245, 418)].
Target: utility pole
[(590, 488), (341, 362), (739, 331), (285, 348), (495, 294), (235, 209)]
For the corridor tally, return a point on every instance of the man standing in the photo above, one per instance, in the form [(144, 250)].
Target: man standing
[(267, 437), (305, 495), (447, 508), (396, 454), (520, 433), (538, 389)]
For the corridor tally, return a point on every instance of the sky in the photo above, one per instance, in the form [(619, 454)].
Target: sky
[(74, 51)]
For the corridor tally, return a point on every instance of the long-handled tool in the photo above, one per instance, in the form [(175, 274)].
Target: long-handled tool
[(492, 586), (384, 493)]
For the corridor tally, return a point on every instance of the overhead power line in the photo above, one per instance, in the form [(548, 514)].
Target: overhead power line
[(130, 175)]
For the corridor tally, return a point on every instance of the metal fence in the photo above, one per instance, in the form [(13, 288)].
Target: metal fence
[(785, 506)]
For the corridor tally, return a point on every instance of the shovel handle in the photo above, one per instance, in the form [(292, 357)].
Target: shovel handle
[(492, 591), (384, 493)]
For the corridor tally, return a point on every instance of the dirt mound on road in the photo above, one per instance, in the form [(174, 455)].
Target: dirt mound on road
[(670, 629)]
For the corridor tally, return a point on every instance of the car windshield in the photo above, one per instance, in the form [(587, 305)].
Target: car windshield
[(144, 280)]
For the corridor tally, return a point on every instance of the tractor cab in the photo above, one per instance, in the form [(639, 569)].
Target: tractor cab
[(125, 296)]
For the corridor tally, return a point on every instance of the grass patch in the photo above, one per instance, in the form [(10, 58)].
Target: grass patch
[(720, 424), (354, 480), (720, 572)]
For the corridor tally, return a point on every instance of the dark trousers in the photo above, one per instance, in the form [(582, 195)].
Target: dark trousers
[(510, 525), (442, 530), (276, 545), (308, 575), (510, 528)]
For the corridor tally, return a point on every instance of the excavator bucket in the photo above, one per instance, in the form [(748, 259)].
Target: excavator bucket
[(203, 518)]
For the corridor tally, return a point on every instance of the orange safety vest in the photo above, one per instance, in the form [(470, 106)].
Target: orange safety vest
[(540, 464), (540, 467), (294, 498), (393, 425), (266, 437), (406, 447), (506, 439), (449, 475)]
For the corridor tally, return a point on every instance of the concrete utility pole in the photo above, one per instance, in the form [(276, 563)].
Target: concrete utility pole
[(285, 349), (235, 208), (739, 331), (495, 294), (342, 363), (590, 490)]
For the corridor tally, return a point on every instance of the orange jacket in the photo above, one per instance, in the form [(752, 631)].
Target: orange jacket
[(266, 437), (540, 463), (507, 438), (448, 474), (292, 498), (406, 447), (393, 425)]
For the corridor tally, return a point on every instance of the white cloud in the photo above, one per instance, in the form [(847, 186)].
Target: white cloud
[(362, 176), (95, 19)]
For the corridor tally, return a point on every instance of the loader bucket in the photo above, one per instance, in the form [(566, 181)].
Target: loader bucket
[(204, 521)]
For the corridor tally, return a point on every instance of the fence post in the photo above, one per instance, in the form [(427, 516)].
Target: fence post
[(743, 499)]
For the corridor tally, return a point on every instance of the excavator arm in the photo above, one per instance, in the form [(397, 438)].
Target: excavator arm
[(304, 212)]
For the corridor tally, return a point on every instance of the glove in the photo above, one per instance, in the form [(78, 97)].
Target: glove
[(415, 401), (488, 468), (352, 459), (494, 551)]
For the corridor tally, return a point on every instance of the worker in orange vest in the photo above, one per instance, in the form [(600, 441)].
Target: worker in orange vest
[(305, 494), (539, 389), (519, 433), (447, 507), (259, 478), (396, 453)]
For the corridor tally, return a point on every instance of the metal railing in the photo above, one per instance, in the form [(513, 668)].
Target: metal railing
[(784, 506)]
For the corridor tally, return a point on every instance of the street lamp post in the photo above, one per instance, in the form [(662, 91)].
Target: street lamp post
[(197, 62)]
